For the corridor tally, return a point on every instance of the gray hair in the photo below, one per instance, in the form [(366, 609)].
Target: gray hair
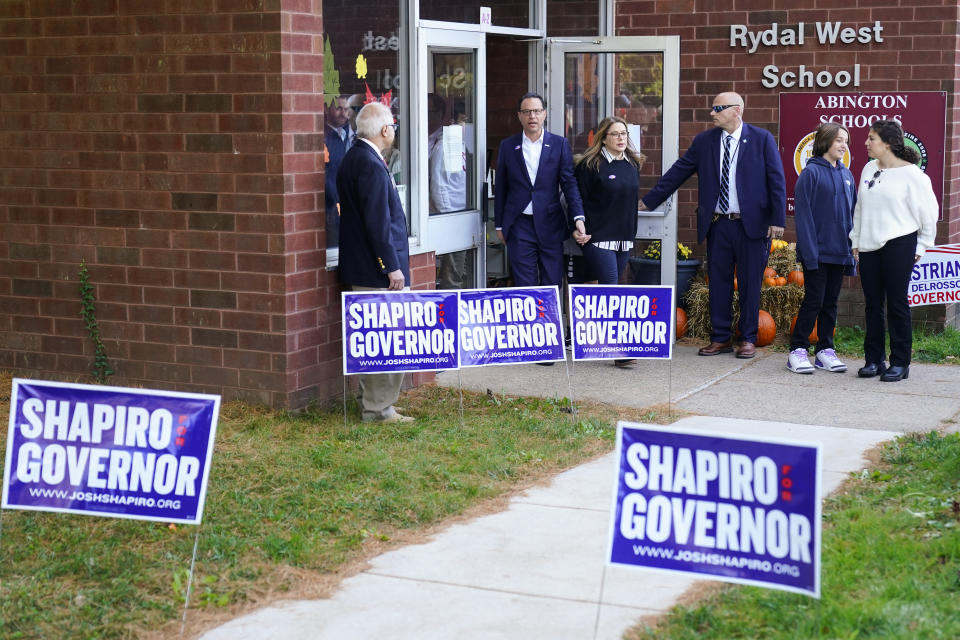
[(372, 118)]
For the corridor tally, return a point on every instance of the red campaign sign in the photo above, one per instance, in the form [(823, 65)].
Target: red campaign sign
[(922, 114)]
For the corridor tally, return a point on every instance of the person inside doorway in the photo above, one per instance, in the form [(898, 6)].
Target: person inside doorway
[(535, 166)]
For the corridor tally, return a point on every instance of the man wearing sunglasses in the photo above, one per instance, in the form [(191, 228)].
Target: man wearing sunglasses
[(741, 206), (533, 167)]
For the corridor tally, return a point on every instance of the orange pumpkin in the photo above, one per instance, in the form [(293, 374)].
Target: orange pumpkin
[(769, 272), (795, 277), (766, 329), (769, 282), (781, 281), (735, 287), (681, 322), (813, 334)]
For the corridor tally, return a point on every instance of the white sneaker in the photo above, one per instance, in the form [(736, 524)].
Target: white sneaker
[(393, 418), (827, 359), (799, 362)]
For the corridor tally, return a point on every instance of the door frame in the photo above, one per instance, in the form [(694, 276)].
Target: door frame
[(464, 230), (657, 224)]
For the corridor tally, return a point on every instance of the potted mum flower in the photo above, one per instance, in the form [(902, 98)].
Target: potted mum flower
[(646, 268)]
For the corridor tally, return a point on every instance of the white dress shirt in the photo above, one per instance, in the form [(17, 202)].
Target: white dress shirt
[(733, 203), (532, 149)]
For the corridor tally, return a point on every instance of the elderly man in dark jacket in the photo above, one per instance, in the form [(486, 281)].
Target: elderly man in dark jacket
[(374, 251)]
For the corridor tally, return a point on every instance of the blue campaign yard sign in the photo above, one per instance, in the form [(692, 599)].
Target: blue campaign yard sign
[(510, 326), (109, 451), (621, 321), (395, 331), (717, 506)]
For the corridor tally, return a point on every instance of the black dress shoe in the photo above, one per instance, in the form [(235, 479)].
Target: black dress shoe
[(545, 364), (872, 369), (896, 373)]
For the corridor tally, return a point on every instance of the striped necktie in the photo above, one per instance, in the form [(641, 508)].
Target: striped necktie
[(725, 177)]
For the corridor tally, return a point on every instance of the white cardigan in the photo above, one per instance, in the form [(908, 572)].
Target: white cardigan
[(901, 201)]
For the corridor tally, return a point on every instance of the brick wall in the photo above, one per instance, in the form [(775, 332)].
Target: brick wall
[(175, 147), (919, 53), (145, 139)]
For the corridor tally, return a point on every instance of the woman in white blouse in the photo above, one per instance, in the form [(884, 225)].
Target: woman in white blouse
[(894, 223)]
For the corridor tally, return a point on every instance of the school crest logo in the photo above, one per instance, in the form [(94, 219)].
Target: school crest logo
[(804, 152), (913, 142)]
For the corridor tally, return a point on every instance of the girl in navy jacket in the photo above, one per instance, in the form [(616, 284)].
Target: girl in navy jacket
[(824, 199)]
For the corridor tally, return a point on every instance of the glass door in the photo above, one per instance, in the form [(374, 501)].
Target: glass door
[(638, 79), (451, 140)]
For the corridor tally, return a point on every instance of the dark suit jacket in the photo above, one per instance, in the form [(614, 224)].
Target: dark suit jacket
[(373, 229), (514, 191), (761, 188), (336, 150)]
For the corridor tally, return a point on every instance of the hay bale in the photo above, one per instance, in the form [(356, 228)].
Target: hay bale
[(782, 303), (783, 260), (698, 309)]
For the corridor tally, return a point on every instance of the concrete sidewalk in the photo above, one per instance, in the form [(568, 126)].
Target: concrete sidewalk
[(536, 570)]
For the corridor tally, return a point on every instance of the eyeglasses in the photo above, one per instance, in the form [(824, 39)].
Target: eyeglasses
[(617, 134), (530, 112), (717, 108), (876, 177)]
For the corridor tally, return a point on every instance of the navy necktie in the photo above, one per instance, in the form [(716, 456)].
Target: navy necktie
[(724, 202)]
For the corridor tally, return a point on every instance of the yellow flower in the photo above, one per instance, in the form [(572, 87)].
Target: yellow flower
[(653, 251)]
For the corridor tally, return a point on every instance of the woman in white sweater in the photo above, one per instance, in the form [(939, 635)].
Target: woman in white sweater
[(894, 223)]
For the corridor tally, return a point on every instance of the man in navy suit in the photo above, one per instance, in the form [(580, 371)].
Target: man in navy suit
[(336, 138), (534, 167), (374, 251), (741, 205)]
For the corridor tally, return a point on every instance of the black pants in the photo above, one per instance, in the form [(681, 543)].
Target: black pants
[(884, 276), (821, 289)]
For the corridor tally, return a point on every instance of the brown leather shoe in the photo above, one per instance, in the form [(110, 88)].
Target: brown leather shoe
[(746, 350), (716, 348)]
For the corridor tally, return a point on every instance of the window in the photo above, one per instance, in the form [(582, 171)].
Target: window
[(363, 46)]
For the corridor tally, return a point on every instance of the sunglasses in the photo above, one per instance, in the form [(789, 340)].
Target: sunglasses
[(717, 108), (876, 177)]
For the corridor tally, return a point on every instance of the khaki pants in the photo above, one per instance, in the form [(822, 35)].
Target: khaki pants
[(378, 391)]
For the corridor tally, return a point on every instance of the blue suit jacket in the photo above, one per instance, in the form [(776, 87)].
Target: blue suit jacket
[(373, 229), (761, 188), (514, 191), (336, 150)]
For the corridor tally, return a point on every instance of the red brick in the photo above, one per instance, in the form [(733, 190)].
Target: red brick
[(150, 314), (150, 277), (197, 279), (171, 297), (197, 317)]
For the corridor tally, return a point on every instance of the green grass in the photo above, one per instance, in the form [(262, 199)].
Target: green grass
[(891, 561), (292, 499)]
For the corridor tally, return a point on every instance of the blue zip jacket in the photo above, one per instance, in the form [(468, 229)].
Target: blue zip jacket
[(824, 199)]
